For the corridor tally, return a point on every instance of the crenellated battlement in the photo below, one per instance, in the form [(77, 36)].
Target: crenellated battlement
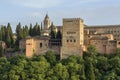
[(72, 19)]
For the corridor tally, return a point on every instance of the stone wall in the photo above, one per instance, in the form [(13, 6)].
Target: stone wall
[(72, 37), (112, 29)]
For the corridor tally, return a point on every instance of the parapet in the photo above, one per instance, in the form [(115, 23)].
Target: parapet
[(71, 19)]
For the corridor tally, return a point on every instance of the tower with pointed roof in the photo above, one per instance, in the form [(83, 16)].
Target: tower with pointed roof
[(47, 22)]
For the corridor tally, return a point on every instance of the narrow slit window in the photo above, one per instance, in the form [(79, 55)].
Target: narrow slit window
[(40, 45)]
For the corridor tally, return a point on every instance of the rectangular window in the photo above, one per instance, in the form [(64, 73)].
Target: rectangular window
[(74, 40), (67, 40), (40, 45)]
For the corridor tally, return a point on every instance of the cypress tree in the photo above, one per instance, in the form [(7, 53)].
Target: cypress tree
[(3, 31), (19, 32), (58, 35), (30, 30), (52, 32), (8, 40), (26, 30), (38, 30), (91, 72), (1, 51), (41, 27), (10, 33), (35, 29)]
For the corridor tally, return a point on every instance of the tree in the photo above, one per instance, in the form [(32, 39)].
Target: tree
[(51, 58), (0, 34), (3, 32), (8, 40), (1, 51), (30, 30), (52, 32), (19, 32), (9, 30), (25, 31), (92, 50), (61, 72), (90, 71), (41, 27), (38, 31), (4, 68), (58, 35)]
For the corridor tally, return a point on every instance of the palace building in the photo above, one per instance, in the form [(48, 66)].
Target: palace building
[(76, 37)]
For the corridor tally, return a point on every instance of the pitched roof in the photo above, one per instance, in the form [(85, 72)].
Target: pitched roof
[(46, 16)]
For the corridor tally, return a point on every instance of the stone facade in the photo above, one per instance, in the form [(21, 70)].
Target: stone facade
[(36, 45), (46, 26), (76, 37), (22, 44), (2, 43), (106, 29), (72, 37)]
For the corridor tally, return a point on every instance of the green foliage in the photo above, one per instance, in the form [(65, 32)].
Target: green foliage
[(52, 32), (58, 35), (51, 58), (30, 30), (6, 35), (25, 31), (92, 50), (47, 67), (19, 32)]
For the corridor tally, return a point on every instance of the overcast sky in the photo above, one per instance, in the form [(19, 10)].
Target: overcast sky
[(94, 12)]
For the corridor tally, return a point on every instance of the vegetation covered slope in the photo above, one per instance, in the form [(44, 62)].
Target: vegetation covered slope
[(91, 66)]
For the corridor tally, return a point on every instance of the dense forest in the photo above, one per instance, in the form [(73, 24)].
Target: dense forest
[(91, 66)]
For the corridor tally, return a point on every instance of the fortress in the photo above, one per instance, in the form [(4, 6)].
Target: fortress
[(76, 37)]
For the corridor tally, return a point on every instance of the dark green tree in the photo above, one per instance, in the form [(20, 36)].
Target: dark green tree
[(61, 72), (9, 36), (38, 31), (89, 68), (58, 35), (9, 29), (25, 31), (8, 40), (92, 50), (51, 58), (19, 32), (30, 30), (52, 32), (3, 32), (41, 28), (1, 51)]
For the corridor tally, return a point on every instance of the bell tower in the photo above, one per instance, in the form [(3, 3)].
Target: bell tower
[(47, 22)]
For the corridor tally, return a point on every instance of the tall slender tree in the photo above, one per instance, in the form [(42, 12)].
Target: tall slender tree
[(1, 51), (9, 36), (8, 40), (38, 31), (58, 35), (30, 30), (25, 31), (52, 32), (19, 32), (41, 27)]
